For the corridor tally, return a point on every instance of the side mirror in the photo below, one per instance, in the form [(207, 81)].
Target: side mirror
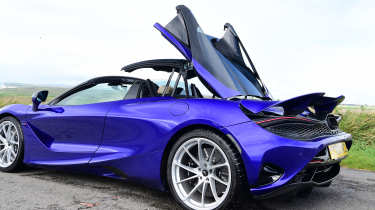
[(38, 98)]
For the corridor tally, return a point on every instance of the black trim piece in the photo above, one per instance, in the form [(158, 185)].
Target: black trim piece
[(185, 78), (158, 64), (271, 121), (302, 131), (166, 65), (116, 171), (265, 175), (195, 91), (176, 84), (309, 176), (134, 91), (168, 82)]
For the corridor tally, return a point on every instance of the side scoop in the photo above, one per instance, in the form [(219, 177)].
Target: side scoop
[(294, 106)]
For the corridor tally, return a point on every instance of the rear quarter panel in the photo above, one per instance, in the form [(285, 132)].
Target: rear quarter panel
[(137, 132)]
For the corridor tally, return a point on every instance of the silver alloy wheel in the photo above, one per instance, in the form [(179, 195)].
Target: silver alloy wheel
[(201, 174), (9, 143)]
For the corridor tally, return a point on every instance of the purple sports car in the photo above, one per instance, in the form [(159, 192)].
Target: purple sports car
[(206, 148)]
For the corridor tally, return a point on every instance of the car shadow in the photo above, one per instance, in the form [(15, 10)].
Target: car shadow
[(153, 198)]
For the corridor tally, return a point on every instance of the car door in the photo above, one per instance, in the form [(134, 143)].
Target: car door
[(70, 130)]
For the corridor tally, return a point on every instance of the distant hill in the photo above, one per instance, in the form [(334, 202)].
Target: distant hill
[(16, 93), (4, 85), (28, 91)]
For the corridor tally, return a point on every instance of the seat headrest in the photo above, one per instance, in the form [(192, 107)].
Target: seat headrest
[(168, 91)]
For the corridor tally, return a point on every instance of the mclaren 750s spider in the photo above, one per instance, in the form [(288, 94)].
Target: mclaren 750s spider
[(209, 151)]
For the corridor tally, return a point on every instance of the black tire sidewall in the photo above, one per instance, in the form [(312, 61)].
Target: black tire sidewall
[(19, 159), (233, 191)]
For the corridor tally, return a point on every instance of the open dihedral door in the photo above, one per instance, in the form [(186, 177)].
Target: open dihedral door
[(218, 62)]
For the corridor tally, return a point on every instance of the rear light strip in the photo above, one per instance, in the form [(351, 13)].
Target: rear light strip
[(282, 118)]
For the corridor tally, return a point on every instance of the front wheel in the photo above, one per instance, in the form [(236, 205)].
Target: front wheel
[(11, 145), (204, 171)]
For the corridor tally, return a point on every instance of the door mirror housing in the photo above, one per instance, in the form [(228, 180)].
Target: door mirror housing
[(38, 98)]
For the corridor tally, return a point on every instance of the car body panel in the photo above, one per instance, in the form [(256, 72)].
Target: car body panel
[(291, 155), (137, 132), (18, 110), (68, 136)]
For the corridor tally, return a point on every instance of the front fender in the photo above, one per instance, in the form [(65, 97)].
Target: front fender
[(17, 110)]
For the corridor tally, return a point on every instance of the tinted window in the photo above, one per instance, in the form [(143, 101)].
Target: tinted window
[(103, 92)]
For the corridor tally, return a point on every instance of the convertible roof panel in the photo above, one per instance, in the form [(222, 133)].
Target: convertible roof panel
[(158, 64), (166, 65)]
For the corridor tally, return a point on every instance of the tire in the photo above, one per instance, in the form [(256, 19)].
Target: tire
[(13, 143), (228, 179)]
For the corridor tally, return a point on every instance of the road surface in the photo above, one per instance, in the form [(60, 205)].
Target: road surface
[(41, 189)]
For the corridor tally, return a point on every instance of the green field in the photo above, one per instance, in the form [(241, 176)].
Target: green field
[(22, 95), (356, 120), (361, 124), (356, 108)]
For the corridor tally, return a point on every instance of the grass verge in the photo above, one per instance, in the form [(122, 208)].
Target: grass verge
[(361, 124), (360, 158)]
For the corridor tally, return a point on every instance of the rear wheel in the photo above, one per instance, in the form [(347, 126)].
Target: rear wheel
[(204, 171), (11, 145)]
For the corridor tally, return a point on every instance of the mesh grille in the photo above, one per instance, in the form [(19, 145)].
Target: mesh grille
[(302, 131)]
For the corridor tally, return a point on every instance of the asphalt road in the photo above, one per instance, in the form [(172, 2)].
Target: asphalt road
[(41, 189)]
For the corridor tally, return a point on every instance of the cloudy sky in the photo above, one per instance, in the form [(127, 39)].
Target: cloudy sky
[(297, 46)]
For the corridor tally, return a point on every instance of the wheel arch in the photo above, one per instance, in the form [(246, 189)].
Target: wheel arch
[(7, 114), (228, 138)]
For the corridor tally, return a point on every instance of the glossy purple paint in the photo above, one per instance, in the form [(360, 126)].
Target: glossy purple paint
[(299, 103), (70, 136), (132, 135), (260, 146)]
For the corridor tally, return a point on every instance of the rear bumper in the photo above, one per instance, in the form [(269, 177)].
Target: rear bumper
[(260, 147), (319, 176)]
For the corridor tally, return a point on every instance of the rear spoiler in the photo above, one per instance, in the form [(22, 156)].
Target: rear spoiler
[(294, 106)]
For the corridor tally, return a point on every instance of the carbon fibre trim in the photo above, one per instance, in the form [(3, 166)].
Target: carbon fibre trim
[(302, 131)]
